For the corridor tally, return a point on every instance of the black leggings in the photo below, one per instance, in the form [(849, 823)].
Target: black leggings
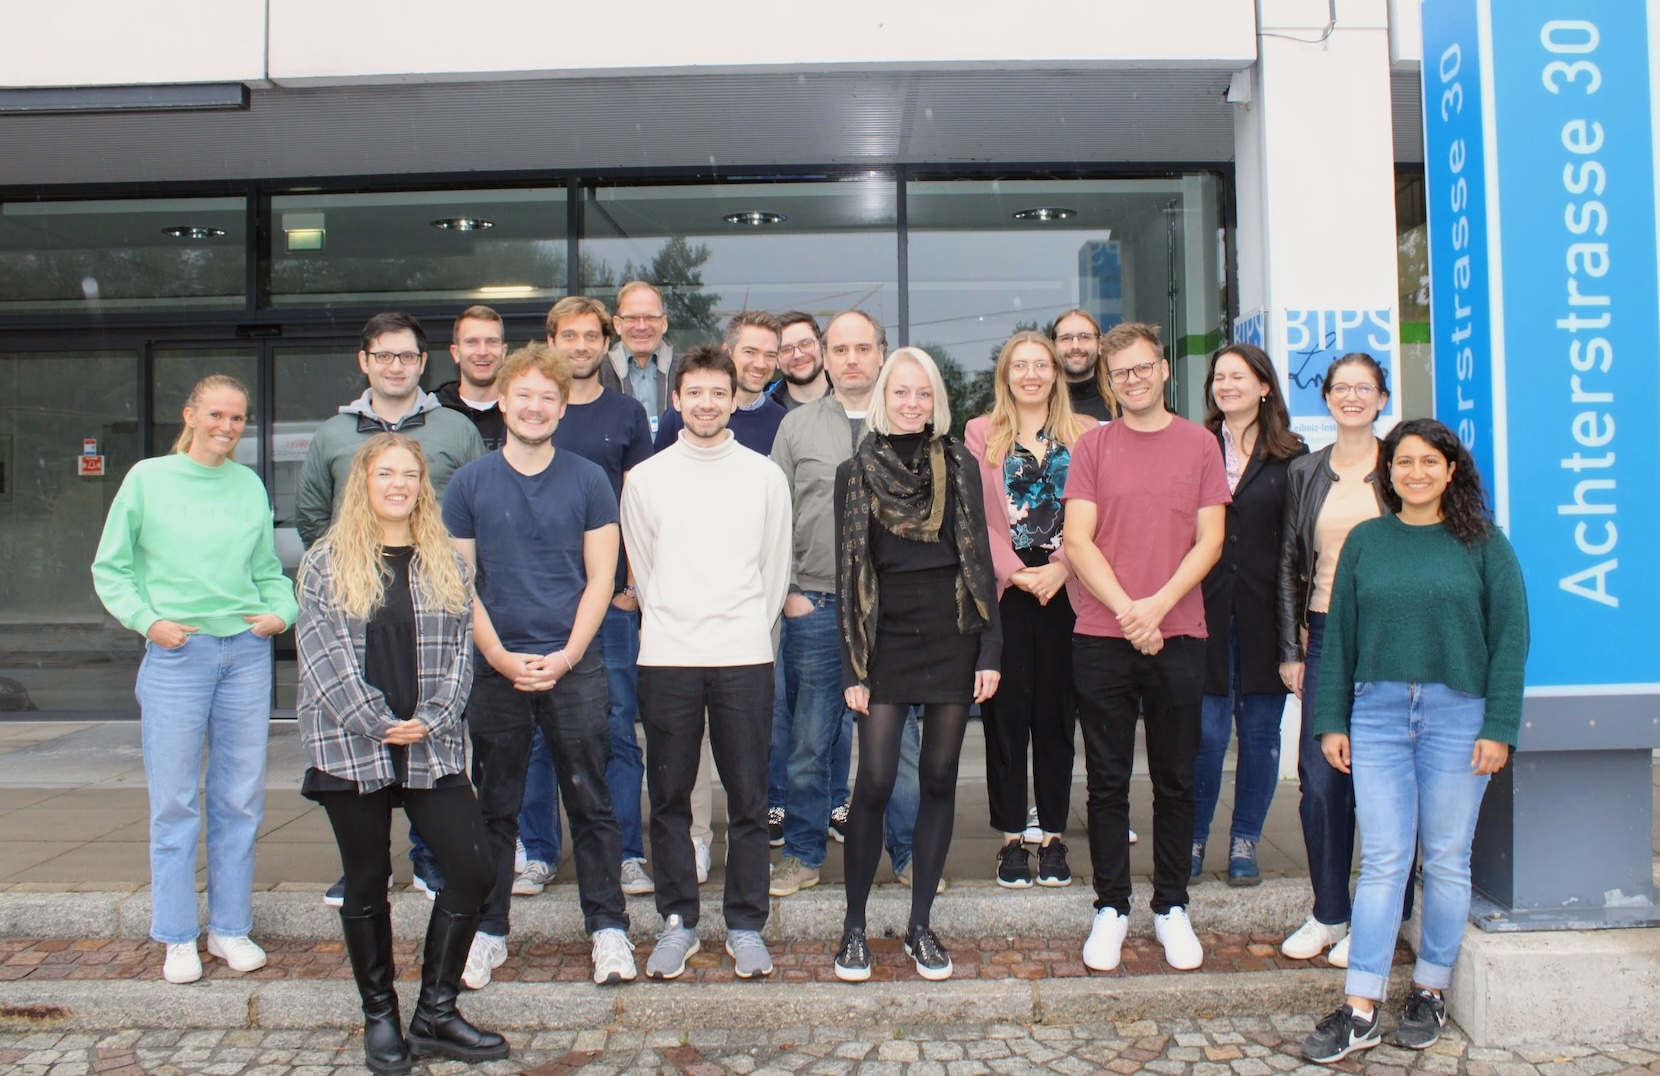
[(448, 821), (942, 744)]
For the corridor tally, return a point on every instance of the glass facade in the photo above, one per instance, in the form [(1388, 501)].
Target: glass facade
[(950, 262)]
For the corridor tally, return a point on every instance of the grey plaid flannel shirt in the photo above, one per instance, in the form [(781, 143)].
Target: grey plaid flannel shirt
[(342, 719)]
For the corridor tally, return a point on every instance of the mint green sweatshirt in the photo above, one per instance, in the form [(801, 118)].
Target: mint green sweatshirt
[(1415, 605), (191, 544)]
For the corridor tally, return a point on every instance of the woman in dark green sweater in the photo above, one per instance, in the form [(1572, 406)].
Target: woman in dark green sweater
[(1428, 625)]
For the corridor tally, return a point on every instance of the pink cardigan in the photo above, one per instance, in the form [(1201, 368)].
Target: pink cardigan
[(1004, 560)]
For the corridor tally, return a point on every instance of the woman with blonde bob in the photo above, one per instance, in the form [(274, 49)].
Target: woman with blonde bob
[(1023, 447), (385, 655), (917, 607)]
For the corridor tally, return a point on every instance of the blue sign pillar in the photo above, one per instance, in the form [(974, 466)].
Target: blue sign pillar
[(1540, 162)]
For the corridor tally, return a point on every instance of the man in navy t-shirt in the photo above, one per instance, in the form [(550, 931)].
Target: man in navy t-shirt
[(539, 527)]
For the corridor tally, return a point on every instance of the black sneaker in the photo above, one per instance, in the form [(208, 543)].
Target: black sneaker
[(1052, 868), (1420, 1025), (336, 894), (838, 824), (1014, 866), (428, 877), (932, 961), (853, 958), (1341, 1034), (775, 826)]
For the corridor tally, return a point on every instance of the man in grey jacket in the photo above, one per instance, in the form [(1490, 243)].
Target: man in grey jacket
[(639, 364), (393, 357)]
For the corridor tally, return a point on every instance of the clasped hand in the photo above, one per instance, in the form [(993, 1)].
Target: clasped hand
[(1140, 621), (532, 672)]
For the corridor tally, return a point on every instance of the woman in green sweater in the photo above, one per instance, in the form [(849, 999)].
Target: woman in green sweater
[(1421, 698), (188, 560)]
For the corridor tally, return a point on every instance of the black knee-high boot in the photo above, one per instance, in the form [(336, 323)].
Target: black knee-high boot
[(437, 1028), (369, 944)]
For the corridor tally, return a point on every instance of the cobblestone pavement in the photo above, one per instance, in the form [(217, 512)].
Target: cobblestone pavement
[(35, 959), (1241, 1046)]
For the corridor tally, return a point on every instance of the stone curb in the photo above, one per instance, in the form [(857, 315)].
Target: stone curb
[(218, 1004), (970, 909)]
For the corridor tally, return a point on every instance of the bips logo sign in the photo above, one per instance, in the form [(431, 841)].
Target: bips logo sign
[(1539, 120)]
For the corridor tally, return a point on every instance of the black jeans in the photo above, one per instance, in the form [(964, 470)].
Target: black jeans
[(738, 699), (574, 721), (1116, 683), (450, 823), (1033, 703)]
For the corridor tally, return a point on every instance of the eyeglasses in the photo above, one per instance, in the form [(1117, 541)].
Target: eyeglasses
[(1077, 338), (806, 347), (1360, 392), (1141, 371), (404, 358), (639, 319), (1041, 366)]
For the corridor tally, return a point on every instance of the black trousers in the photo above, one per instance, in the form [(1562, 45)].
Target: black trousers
[(738, 699), (575, 722), (1033, 704), (1116, 683), (449, 821)]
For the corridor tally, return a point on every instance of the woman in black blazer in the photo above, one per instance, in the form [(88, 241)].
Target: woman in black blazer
[(1242, 678)]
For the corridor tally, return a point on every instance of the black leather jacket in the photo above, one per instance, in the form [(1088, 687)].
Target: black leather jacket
[(1307, 482)]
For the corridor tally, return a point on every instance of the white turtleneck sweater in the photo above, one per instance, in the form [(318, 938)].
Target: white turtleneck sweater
[(708, 534)]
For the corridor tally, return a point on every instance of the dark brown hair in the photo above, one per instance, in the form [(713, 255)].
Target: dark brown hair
[(1273, 422)]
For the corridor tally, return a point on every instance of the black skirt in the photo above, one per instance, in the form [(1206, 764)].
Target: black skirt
[(919, 657)]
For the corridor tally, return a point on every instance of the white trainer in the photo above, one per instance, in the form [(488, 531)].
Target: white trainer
[(701, 851), (1182, 950), (1339, 955), (239, 952), (184, 963), (1106, 939), (520, 857), (488, 953), (613, 958), (1033, 833), (1313, 938)]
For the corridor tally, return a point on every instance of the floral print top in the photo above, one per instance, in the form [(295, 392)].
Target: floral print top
[(1033, 491)]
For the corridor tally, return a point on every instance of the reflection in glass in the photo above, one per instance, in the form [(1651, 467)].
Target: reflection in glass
[(59, 650), (89, 257), (407, 247), (717, 249)]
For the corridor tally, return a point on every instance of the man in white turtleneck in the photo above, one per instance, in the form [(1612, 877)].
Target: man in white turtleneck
[(708, 530)]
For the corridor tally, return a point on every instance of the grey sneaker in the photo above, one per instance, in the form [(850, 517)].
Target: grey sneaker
[(791, 876), (635, 881), (750, 959), (676, 942), (533, 879)]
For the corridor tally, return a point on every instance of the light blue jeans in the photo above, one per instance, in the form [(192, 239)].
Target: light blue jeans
[(215, 694), (1410, 746)]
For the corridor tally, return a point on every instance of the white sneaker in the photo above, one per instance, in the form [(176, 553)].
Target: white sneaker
[(613, 957), (184, 964), (1339, 955), (1033, 833), (1182, 950), (239, 952), (1133, 837), (701, 851), (1106, 939), (488, 953), (635, 881), (1312, 938), (520, 857)]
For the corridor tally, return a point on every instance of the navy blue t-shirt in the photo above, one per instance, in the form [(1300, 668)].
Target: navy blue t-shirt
[(529, 531), (754, 429), (613, 432)]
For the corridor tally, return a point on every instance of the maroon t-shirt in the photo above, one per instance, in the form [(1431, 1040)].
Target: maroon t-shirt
[(1147, 489)]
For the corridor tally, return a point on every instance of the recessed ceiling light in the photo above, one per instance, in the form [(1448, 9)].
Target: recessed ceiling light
[(462, 224), (755, 218), (193, 231), (1045, 213)]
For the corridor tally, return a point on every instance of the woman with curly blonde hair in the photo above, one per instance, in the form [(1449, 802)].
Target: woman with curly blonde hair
[(385, 655)]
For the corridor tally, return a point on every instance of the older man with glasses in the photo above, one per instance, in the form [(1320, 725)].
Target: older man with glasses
[(640, 363)]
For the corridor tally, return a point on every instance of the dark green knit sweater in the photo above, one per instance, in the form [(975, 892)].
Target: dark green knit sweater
[(1414, 604)]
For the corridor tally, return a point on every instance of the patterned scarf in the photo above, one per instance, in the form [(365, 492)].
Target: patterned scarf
[(910, 503)]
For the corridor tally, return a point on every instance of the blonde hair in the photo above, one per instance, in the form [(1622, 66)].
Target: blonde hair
[(550, 362), (203, 387), (1062, 425), (878, 416), (354, 540)]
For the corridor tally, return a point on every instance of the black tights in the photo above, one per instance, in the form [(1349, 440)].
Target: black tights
[(942, 744), (448, 820)]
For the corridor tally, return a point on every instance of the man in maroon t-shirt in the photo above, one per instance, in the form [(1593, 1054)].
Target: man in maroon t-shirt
[(1145, 503)]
